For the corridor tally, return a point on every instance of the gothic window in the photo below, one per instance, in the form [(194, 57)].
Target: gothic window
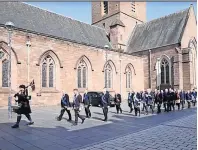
[(193, 60), (48, 72), (5, 74), (165, 75), (108, 76), (82, 74), (105, 3), (128, 77)]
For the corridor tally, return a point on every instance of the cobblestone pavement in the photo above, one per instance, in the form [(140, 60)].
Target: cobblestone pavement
[(122, 131), (176, 135)]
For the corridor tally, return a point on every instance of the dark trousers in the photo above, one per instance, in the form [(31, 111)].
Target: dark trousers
[(118, 108), (19, 118), (144, 107), (77, 115), (178, 106), (62, 113), (182, 103), (170, 106), (130, 106), (165, 107), (194, 102), (189, 104), (87, 111), (105, 112), (151, 107), (158, 108), (137, 110)]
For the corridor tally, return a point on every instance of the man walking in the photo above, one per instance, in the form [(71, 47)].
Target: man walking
[(23, 106), (87, 104), (65, 106), (182, 98), (118, 102), (130, 101), (76, 106), (105, 104)]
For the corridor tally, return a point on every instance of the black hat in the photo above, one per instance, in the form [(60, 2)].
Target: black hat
[(22, 86)]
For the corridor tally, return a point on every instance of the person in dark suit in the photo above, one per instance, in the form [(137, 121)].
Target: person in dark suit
[(76, 106), (23, 106), (165, 100), (188, 98), (87, 104), (105, 103), (171, 100), (65, 106), (137, 104), (158, 100), (118, 101), (130, 101), (182, 96), (194, 96)]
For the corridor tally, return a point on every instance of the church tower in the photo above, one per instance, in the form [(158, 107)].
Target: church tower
[(118, 19)]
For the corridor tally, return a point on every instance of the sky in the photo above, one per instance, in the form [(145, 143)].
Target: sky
[(82, 10)]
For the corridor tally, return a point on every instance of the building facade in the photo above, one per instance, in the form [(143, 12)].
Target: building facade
[(67, 54)]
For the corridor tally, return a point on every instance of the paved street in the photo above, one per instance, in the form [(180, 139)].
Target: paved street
[(173, 130)]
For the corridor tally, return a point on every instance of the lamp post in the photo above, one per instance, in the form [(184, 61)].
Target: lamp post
[(28, 44), (9, 26), (106, 48), (158, 72)]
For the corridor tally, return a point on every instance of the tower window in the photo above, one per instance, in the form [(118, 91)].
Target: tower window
[(104, 25), (133, 6), (106, 7)]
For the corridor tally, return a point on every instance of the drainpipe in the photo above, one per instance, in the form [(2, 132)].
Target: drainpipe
[(150, 79)]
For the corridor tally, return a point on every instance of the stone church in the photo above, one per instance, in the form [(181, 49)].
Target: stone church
[(120, 50)]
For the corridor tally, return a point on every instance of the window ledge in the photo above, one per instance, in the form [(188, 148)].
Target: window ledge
[(6, 90), (82, 90), (49, 90)]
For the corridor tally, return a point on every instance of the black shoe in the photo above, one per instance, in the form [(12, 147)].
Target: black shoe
[(15, 126), (75, 124), (83, 121), (30, 123), (69, 120), (104, 120), (58, 119)]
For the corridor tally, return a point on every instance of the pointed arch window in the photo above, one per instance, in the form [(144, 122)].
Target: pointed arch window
[(108, 76), (128, 77), (165, 74), (48, 72), (82, 74), (5, 74), (193, 58)]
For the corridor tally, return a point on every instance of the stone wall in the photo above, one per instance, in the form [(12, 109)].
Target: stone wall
[(66, 56)]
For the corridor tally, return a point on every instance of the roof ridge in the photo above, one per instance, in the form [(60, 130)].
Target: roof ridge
[(43, 9), (166, 16)]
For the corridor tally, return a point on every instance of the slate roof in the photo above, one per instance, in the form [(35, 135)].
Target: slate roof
[(37, 20), (160, 32)]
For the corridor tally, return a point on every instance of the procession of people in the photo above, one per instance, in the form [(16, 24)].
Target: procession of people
[(138, 101)]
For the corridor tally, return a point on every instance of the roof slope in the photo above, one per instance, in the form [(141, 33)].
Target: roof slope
[(159, 32), (34, 19)]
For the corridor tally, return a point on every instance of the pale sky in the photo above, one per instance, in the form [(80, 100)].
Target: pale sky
[(82, 10)]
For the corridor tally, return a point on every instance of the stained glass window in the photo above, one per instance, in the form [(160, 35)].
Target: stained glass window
[(165, 77), (79, 77), (48, 72), (44, 75), (51, 75), (82, 74), (128, 77), (108, 76), (5, 67)]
